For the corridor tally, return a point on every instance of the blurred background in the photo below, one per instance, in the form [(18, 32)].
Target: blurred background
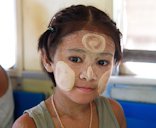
[(22, 22)]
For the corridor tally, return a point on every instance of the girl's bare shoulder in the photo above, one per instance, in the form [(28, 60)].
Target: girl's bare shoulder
[(24, 121)]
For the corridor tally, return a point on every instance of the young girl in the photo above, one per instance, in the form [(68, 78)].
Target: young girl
[(78, 51)]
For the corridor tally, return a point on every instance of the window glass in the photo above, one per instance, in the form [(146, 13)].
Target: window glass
[(138, 25), (141, 24), (7, 33), (147, 70)]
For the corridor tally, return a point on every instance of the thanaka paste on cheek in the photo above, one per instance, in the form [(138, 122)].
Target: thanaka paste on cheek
[(93, 42), (64, 76), (103, 81)]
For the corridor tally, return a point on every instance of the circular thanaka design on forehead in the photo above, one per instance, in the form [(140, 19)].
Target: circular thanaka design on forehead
[(103, 81), (64, 76), (94, 42)]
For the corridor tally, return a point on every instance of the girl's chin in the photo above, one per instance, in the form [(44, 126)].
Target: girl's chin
[(83, 98)]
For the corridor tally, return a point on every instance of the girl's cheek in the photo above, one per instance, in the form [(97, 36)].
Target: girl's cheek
[(64, 76), (103, 81)]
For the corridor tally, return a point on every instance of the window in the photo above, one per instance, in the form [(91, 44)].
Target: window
[(7, 33), (141, 24), (138, 23)]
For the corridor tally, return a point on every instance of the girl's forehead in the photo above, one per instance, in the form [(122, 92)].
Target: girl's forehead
[(83, 37)]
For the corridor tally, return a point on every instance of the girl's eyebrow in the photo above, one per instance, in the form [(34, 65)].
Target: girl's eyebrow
[(106, 53), (77, 50), (83, 51)]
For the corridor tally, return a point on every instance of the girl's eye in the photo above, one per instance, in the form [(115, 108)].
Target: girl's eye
[(102, 62), (75, 59)]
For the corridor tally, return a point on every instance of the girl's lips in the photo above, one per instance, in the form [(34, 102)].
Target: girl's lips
[(85, 90)]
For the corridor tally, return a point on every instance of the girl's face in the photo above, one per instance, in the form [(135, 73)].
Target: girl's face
[(83, 64)]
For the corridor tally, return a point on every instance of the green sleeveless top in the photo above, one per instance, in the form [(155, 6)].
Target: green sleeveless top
[(107, 119)]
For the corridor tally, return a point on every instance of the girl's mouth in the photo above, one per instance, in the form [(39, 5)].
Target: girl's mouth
[(85, 89)]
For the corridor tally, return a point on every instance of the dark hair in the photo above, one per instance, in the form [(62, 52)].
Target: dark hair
[(74, 18)]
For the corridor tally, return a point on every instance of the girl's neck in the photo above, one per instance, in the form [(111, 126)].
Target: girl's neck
[(67, 107)]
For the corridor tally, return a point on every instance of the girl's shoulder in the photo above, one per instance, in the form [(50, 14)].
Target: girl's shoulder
[(118, 112), (24, 121), (112, 105)]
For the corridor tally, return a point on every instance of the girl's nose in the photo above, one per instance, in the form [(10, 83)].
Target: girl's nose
[(88, 74)]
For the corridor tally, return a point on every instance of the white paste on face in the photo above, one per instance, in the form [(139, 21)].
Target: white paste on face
[(88, 75), (103, 81), (64, 76), (94, 42)]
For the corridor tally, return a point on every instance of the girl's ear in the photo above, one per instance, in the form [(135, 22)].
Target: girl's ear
[(45, 61), (48, 67)]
